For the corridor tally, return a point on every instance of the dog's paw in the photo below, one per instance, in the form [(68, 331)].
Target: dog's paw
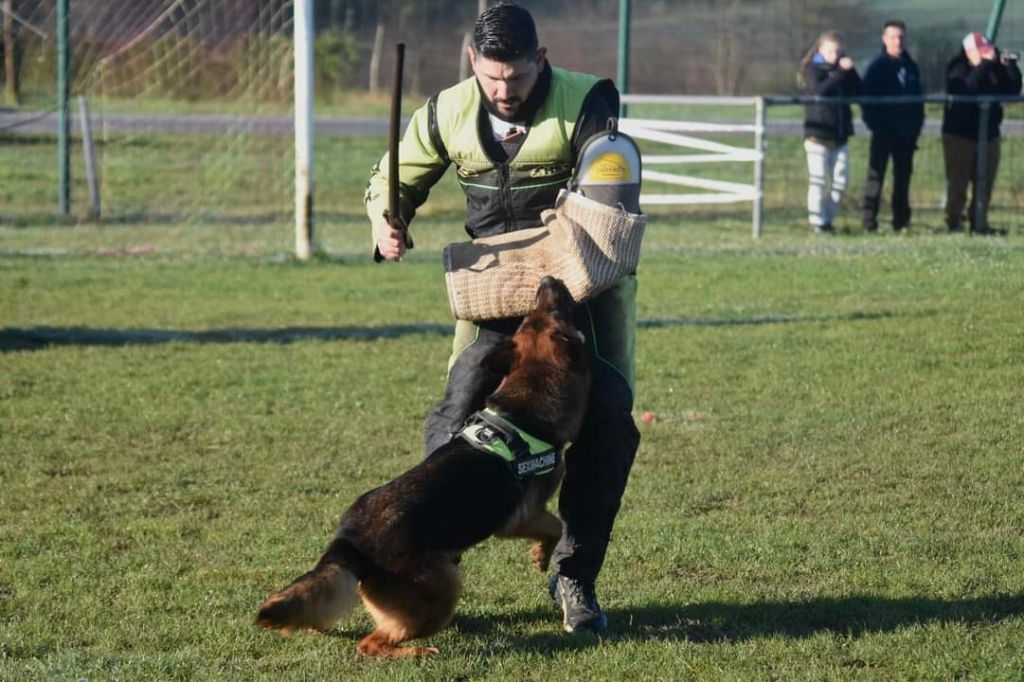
[(372, 648), (540, 555)]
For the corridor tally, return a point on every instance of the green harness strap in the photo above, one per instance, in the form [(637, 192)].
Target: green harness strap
[(489, 432)]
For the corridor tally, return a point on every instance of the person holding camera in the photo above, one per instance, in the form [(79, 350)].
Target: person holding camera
[(978, 69), (827, 72), (894, 127)]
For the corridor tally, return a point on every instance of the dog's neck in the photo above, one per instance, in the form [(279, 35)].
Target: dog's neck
[(529, 406)]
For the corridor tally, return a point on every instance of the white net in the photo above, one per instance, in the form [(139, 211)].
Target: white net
[(215, 77), (190, 102)]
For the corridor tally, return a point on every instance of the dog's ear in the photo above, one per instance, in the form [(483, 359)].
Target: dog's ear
[(575, 337), (499, 360), (575, 343)]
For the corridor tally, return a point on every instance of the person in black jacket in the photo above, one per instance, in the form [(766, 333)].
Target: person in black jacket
[(825, 71), (894, 128), (978, 69)]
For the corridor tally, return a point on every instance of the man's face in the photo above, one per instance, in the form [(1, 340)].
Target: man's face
[(507, 84), (893, 38)]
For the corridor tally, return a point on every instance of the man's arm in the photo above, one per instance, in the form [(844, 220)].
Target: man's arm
[(421, 165), (971, 80), (600, 104), (872, 86), (917, 89), (1009, 78)]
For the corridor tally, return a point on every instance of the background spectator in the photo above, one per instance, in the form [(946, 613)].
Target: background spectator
[(894, 128), (978, 69), (827, 72)]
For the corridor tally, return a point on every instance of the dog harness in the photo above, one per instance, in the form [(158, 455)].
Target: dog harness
[(526, 455)]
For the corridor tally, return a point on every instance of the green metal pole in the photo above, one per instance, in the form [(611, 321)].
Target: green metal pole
[(623, 74), (63, 119), (994, 18)]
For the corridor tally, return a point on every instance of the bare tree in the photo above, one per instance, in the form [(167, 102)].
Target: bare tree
[(10, 54), (729, 61), (375, 57), (467, 39)]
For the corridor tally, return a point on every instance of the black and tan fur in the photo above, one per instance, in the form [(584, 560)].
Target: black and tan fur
[(398, 545)]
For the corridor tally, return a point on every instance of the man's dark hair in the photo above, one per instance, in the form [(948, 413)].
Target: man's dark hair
[(505, 33), (895, 23)]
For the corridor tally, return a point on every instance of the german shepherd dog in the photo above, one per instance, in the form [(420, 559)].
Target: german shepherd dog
[(398, 546)]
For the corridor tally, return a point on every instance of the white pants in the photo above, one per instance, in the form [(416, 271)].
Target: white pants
[(829, 171)]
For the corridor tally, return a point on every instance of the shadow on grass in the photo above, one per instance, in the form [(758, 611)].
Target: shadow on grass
[(728, 622), (38, 338), (657, 322), (32, 219)]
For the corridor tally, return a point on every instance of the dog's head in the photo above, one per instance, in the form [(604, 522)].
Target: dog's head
[(546, 364)]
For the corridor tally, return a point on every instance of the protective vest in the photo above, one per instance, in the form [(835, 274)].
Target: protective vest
[(510, 195)]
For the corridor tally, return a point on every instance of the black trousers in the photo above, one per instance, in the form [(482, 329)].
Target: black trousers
[(598, 463), (901, 149)]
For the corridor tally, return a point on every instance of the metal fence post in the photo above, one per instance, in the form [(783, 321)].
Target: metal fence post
[(625, 11), (303, 42), (759, 125), (85, 125), (981, 178), (63, 117)]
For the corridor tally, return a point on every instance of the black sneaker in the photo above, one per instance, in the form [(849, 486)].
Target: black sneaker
[(578, 602), (989, 232)]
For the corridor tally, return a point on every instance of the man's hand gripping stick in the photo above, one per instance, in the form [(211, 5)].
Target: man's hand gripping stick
[(399, 230)]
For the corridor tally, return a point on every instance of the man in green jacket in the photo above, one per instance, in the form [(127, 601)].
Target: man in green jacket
[(514, 131)]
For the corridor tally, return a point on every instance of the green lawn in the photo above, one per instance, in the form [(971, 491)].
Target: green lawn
[(831, 488)]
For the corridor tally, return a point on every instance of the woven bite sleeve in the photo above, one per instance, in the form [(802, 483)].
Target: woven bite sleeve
[(586, 244)]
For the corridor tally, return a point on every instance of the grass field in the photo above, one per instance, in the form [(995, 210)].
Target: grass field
[(831, 490)]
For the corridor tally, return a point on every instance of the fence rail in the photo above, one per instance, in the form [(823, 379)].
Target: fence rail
[(648, 129)]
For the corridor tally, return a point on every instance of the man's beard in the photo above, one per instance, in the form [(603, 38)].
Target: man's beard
[(506, 110)]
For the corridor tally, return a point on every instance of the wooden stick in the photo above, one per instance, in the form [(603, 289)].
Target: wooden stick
[(394, 131)]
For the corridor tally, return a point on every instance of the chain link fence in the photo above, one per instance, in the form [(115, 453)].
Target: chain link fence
[(191, 104)]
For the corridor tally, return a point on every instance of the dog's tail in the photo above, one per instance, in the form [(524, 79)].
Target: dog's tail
[(315, 600)]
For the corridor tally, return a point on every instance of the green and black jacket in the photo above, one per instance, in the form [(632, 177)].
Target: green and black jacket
[(506, 187)]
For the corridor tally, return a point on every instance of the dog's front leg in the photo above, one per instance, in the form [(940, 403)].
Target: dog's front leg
[(545, 529)]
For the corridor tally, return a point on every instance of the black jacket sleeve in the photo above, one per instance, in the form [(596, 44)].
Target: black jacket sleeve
[(873, 85), (1008, 78), (600, 104), (826, 83), (964, 79), (852, 84)]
